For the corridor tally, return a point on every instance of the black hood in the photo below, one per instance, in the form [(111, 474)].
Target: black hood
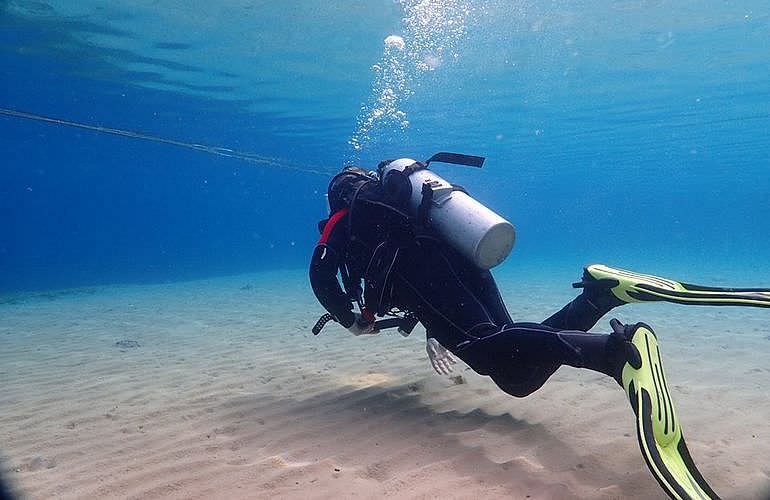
[(344, 186)]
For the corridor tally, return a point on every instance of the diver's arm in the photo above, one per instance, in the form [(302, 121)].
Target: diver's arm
[(323, 279), (323, 270)]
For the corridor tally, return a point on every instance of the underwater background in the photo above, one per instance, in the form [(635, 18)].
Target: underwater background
[(627, 132), (163, 165)]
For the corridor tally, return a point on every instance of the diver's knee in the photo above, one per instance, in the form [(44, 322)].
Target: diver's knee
[(524, 381), (516, 390)]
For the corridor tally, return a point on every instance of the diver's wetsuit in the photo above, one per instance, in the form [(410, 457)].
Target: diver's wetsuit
[(459, 304)]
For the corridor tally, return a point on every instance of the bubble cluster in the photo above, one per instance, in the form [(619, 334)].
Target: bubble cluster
[(395, 42), (435, 28), (432, 30)]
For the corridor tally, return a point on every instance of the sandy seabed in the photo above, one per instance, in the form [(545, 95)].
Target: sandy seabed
[(229, 395)]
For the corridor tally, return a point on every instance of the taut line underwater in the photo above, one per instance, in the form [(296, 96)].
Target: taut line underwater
[(203, 148)]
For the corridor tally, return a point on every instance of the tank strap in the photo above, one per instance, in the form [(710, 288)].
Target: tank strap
[(414, 167), (352, 285), (423, 211)]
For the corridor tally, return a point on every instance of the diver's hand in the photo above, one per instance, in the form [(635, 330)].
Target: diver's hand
[(362, 327), (440, 358)]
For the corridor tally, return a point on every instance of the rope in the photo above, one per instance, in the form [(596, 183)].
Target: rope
[(214, 150)]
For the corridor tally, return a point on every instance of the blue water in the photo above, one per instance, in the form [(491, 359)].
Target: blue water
[(626, 132)]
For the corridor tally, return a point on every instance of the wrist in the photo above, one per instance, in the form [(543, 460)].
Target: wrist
[(367, 315)]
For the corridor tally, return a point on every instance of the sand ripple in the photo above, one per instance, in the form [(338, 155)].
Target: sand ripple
[(229, 396)]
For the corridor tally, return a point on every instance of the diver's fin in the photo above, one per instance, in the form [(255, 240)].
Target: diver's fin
[(628, 286), (657, 427)]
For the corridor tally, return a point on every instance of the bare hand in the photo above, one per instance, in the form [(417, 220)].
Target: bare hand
[(362, 327)]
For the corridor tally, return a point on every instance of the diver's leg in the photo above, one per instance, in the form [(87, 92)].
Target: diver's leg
[(485, 287), (521, 381), (521, 357), (583, 312)]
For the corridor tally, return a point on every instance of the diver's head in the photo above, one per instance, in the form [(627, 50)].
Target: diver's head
[(345, 184), (396, 185)]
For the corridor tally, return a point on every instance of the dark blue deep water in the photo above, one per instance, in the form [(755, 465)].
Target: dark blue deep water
[(628, 132)]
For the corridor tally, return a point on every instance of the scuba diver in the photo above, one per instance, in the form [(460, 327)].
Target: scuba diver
[(410, 245)]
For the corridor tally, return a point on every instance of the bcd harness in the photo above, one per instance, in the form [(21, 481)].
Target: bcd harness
[(432, 201)]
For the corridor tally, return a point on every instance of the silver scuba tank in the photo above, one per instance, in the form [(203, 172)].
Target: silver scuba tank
[(471, 228)]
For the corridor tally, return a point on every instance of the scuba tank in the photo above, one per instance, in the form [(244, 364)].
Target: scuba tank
[(405, 185), (474, 230)]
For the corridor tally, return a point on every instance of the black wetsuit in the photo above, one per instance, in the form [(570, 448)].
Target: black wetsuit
[(458, 304)]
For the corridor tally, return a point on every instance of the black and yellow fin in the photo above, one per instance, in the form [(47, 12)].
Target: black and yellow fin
[(629, 286), (658, 430)]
